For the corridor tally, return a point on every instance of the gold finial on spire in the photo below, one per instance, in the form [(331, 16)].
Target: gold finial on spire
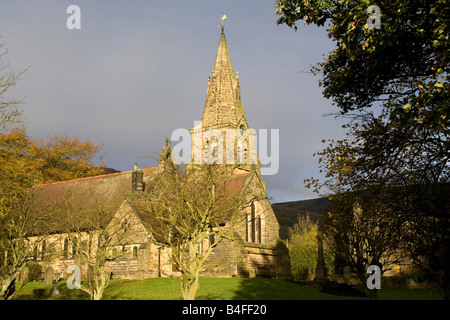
[(223, 17)]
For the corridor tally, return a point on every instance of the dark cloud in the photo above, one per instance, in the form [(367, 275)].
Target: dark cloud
[(138, 70)]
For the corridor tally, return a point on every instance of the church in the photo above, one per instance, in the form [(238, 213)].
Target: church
[(259, 251)]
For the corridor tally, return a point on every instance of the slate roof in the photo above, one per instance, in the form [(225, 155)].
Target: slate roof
[(236, 184), (106, 191), (86, 195)]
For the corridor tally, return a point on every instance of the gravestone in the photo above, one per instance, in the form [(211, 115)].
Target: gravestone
[(39, 293), (347, 271), (48, 278), (56, 290), (24, 275)]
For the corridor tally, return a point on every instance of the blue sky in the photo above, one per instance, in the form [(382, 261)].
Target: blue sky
[(137, 70)]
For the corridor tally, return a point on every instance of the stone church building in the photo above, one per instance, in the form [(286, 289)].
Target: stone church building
[(257, 253)]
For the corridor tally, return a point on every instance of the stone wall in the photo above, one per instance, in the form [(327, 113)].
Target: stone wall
[(227, 260), (138, 258), (266, 257)]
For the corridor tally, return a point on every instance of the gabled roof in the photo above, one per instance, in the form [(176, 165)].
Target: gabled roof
[(79, 196), (235, 186)]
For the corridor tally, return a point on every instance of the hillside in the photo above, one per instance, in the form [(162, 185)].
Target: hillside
[(287, 212)]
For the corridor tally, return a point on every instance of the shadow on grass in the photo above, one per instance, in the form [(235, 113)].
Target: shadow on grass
[(270, 289), (212, 289)]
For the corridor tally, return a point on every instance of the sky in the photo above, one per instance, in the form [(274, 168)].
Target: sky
[(138, 70)]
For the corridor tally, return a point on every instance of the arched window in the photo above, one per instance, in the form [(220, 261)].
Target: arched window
[(74, 247), (258, 229), (247, 231), (135, 252), (44, 245), (254, 226), (253, 222), (211, 239), (35, 253), (66, 248)]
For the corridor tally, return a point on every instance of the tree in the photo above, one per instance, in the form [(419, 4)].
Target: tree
[(364, 235), (392, 85), (25, 163), (190, 211), (405, 63), (16, 249), (404, 193), (10, 114), (68, 158), (302, 246), (90, 228), (19, 168)]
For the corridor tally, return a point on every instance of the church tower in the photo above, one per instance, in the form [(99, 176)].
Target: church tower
[(223, 119)]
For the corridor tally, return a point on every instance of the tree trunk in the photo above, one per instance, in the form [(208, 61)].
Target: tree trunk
[(445, 285), (190, 288), (98, 291), (7, 284), (373, 294), (98, 294)]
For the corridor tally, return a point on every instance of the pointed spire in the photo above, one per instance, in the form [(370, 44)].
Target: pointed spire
[(223, 110), (223, 105)]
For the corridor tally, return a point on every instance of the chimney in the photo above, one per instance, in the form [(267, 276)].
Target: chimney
[(137, 179)]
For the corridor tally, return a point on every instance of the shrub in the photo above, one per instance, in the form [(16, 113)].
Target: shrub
[(34, 271), (303, 248)]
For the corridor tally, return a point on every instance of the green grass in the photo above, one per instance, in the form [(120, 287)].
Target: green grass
[(216, 289), (408, 294), (255, 289)]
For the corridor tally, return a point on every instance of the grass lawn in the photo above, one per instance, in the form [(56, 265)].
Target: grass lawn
[(216, 289)]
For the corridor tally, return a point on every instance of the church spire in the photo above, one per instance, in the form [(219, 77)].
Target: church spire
[(212, 141), (223, 106)]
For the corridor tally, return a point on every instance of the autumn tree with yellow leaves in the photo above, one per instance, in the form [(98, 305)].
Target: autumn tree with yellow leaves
[(25, 163)]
